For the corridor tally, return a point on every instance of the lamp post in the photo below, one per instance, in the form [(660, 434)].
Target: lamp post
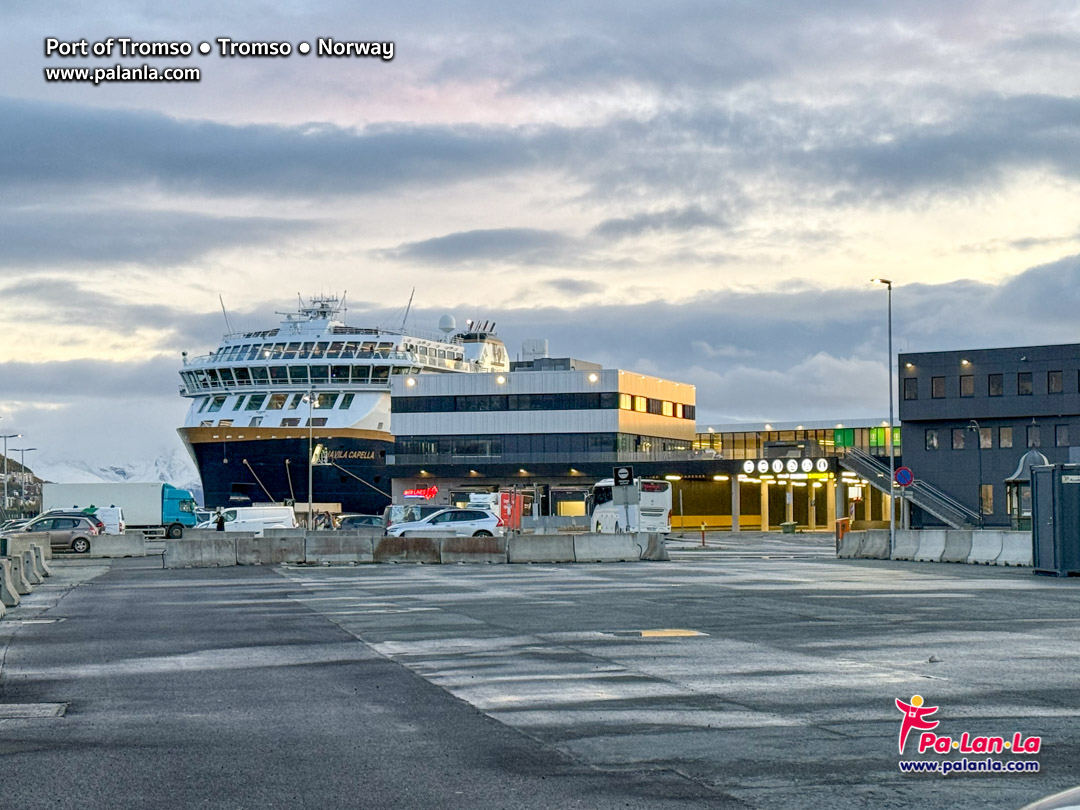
[(310, 454), (892, 455), (973, 425), (7, 436), (22, 451)]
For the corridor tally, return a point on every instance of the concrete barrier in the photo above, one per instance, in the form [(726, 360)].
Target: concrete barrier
[(655, 547), (268, 550), (541, 548), (30, 570), (339, 548), (106, 546), (985, 547), (200, 548), (473, 550), (957, 546), (1016, 549), (606, 547), (411, 549), (553, 524), (849, 545), (874, 545), (907, 544), (18, 578), (8, 595), (39, 555), (931, 545)]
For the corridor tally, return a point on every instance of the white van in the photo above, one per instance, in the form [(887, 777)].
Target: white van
[(253, 519)]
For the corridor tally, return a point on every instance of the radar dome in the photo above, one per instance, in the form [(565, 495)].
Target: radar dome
[(447, 324)]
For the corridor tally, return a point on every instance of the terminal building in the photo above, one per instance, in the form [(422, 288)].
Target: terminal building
[(552, 427), (976, 420)]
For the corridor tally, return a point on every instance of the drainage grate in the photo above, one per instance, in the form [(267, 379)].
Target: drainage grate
[(24, 711)]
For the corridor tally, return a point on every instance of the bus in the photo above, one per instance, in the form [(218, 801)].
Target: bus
[(652, 512)]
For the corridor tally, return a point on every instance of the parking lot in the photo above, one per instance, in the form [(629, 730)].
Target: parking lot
[(749, 674)]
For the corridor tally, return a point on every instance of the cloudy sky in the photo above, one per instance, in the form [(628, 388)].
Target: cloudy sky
[(700, 190)]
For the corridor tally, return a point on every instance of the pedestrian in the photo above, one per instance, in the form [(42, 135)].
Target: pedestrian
[(219, 520)]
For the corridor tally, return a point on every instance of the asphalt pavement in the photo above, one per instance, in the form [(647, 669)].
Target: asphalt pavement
[(760, 673)]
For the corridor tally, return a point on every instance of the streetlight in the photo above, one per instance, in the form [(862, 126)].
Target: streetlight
[(7, 436), (310, 453), (973, 425), (22, 451), (892, 456)]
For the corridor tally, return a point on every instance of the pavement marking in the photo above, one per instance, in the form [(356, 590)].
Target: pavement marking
[(24, 711), (671, 633)]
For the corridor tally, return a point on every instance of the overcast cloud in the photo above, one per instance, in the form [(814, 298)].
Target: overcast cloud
[(700, 190)]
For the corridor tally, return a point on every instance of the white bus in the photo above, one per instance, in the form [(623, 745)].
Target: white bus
[(652, 512)]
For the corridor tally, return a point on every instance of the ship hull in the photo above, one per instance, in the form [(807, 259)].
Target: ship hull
[(257, 467)]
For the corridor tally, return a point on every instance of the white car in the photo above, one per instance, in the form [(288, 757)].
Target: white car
[(455, 522)]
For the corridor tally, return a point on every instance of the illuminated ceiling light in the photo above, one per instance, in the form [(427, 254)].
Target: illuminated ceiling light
[(965, 362), (799, 427), (500, 379), (409, 381), (768, 426), (574, 472), (721, 478), (594, 377), (522, 471), (909, 365), (673, 478), (839, 424)]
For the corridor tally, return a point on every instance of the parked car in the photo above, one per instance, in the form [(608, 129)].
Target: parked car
[(66, 531), (407, 513), (13, 525), (360, 521), (457, 522)]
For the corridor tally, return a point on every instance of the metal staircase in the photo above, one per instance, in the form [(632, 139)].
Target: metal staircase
[(924, 495)]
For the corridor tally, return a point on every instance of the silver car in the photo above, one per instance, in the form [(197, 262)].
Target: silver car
[(70, 531), (455, 522)]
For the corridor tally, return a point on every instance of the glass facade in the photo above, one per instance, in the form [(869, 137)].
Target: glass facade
[(817, 442), (522, 448)]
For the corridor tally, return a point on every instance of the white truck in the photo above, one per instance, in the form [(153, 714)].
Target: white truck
[(158, 510)]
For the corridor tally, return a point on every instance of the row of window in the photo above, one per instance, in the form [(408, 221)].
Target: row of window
[(315, 350), (995, 385), (536, 443), (277, 402), (256, 421), (964, 437), (291, 375), (831, 441), (542, 402)]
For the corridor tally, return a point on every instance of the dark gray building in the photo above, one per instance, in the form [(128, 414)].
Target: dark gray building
[(969, 417)]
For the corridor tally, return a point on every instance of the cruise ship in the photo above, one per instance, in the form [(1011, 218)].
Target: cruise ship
[(313, 391)]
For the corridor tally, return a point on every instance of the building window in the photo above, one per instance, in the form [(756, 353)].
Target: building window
[(995, 385), (641, 404), (986, 498), (625, 402), (318, 421), (290, 422), (967, 385), (255, 402), (911, 388), (937, 387), (1023, 384), (1055, 384), (1033, 437), (986, 438), (1061, 435), (958, 438), (255, 421), (669, 408), (277, 402), (1005, 437), (932, 440)]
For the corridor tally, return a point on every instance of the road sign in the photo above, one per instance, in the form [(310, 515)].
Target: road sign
[(624, 476), (904, 476)]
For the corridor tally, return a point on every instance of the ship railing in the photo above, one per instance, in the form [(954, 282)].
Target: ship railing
[(536, 458)]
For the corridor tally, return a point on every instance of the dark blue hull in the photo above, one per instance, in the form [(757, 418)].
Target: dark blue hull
[(263, 470)]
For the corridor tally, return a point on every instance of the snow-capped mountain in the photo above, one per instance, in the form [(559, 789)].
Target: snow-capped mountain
[(175, 469)]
